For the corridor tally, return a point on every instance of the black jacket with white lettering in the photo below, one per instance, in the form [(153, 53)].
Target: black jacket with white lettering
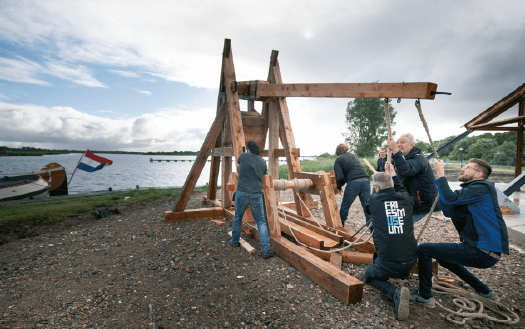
[(391, 215)]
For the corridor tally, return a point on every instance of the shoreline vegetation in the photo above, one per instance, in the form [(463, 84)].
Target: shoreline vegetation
[(32, 151), (15, 219)]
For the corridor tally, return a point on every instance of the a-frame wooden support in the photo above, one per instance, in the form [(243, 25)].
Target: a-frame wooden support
[(226, 141), (483, 121)]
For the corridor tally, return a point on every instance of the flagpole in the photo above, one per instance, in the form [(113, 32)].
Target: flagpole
[(76, 168)]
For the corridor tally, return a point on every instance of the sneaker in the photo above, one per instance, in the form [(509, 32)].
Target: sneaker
[(268, 254), (491, 295), (234, 244), (401, 307), (430, 302)]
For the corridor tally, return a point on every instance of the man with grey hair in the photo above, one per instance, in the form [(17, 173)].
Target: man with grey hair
[(416, 174), (390, 210)]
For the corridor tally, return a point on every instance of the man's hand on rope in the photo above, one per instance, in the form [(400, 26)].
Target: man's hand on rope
[(392, 145), (439, 166), (390, 169)]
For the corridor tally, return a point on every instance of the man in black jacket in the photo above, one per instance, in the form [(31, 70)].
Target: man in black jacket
[(476, 215), (416, 174), (348, 170), (393, 230)]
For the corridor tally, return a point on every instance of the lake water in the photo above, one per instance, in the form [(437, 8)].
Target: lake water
[(126, 172)]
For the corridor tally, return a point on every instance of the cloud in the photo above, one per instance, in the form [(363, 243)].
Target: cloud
[(21, 70), (26, 71), (145, 92), (56, 127), (126, 74)]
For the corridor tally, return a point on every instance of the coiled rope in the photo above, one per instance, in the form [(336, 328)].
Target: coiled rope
[(471, 306)]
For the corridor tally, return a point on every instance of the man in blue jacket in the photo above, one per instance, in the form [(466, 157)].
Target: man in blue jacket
[(416, 174), (390, 210), (475, 213)]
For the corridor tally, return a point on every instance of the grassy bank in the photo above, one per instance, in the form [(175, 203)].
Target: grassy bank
[(18, 218), (325, 164)]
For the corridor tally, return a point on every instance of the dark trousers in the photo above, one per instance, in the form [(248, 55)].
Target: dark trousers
[(379, 271), (454, 257), (361, 188)]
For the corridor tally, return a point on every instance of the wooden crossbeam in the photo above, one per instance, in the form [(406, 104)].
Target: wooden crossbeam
[(228, 151), (519, 119), (339, 284), (193, 214), (414, 90)]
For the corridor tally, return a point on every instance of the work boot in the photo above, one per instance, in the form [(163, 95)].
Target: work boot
[(428, 302), (491, 295), (401, 305), (268, 254), (234, 244)]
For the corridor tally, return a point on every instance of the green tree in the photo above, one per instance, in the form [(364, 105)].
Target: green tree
[(482, 149), (367, 129), (425, 147)]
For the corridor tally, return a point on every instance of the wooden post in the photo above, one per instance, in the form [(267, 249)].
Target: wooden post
[(271, 207), (273, 139), (199, 163), (519, 142)]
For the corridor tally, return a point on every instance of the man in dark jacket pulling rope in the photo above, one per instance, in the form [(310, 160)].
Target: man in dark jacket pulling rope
[(416, 174), (348, 170), (483, 234), (249, 193), (390, 210)]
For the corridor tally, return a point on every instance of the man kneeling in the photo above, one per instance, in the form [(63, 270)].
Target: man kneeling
[(393, 230)]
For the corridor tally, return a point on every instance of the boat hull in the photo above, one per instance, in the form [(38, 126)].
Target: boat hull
[(24, 186)]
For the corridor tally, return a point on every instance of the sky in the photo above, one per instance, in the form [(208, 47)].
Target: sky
[(144, 75)]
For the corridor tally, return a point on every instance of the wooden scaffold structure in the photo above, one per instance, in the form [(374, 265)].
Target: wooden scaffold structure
[(318, 255)]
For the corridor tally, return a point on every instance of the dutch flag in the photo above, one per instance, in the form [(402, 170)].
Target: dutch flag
[(91, 162)]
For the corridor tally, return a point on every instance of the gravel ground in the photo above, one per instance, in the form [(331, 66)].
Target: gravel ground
[(133, 270)]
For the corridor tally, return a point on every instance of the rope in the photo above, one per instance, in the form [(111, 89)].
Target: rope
[(429, 215), (468, 303), (389, 128)]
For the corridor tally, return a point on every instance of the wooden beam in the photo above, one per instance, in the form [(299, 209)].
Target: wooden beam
[(248, 247), (200, 161), (232, 99), (497, 129), (226, 165), (336, 259), (366, 247), (274, 227), (519, 119), (219, 151), (519, 142), (296, 219), (499, 107), (339, 284), (193, 214), (414, 90), (273, 140), (347, 256)]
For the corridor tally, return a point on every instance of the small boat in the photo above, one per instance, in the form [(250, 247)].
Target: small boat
[(23, 186)]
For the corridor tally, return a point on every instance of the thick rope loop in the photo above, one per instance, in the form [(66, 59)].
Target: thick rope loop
[(468, 303)]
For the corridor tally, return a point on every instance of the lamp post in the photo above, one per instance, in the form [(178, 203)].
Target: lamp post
[(461, 155)]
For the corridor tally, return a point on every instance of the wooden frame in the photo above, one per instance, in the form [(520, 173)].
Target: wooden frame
[(225, 142)]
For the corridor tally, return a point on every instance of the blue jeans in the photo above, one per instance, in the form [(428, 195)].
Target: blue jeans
[(379, 271), (454, 257), (255, 201), (352, 190)]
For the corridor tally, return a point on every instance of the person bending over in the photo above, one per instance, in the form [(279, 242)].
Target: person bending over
[(416, 174), (475, 213), (348, 170), (249, 193), (390, 211)]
